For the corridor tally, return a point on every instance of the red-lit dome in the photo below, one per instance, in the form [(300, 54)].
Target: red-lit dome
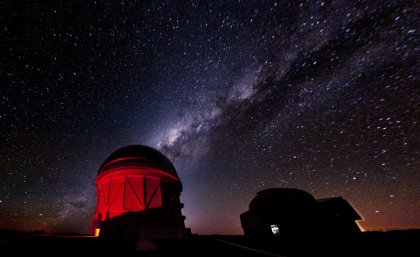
[(138, 192), (137, 155)]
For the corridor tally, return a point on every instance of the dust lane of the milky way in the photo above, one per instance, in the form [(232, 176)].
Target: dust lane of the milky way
[(241, 95)]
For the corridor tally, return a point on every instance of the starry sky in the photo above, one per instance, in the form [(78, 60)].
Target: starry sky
[(241, 95)]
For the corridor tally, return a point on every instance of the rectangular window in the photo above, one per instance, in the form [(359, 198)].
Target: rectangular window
[(275, 229)]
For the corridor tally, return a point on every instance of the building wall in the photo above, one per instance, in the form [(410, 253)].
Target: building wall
[(122, 194), (134, 192)]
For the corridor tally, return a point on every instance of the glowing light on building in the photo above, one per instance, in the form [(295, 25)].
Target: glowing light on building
[(138, 193), (275, 229)]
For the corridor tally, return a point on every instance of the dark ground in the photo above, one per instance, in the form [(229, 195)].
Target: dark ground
[(394, 243)]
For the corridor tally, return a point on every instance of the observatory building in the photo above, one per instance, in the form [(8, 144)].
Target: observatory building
[(294, 213), (138, 196)]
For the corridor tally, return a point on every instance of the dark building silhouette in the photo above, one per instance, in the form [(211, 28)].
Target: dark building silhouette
[(337, 217), (293, 213), (138, 192)]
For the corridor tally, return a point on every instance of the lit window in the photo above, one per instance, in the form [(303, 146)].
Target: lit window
[(275, 229), (97, 230)]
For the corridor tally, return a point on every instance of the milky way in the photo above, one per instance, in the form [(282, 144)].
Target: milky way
[(240, 95)]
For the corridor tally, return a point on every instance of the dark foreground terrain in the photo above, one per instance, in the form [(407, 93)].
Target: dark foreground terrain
[(395, 244)]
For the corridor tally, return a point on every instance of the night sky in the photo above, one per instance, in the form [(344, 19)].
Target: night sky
[(241, 95)]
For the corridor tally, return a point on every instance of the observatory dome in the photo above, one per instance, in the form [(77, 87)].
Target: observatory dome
[(138, 155), (138, 196), (288, 200)]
